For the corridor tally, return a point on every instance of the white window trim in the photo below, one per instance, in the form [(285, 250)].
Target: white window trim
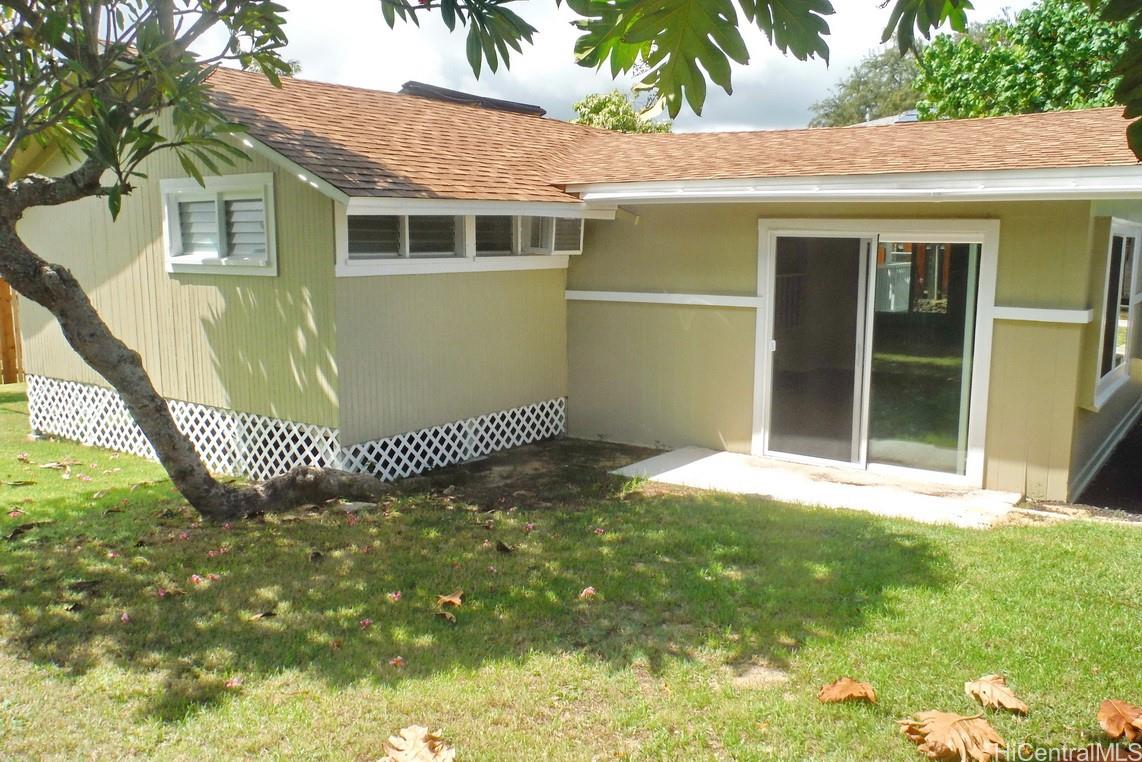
[(465, 260), (1106, 386), (254, 185), (980, 231)]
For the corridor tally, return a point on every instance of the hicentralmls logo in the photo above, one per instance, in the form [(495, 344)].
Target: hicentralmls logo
[(1025, 752)]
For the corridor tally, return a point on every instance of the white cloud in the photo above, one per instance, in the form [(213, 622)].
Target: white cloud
[(347, 42)]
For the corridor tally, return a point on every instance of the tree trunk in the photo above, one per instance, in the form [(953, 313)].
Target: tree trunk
[(56, 289)]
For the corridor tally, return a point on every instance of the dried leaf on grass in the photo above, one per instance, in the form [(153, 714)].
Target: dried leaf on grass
[(450, 600), (416, 744), (949, 736), (846, 689), (23, 529), (60, 465), (1121, 720), (992, 692)]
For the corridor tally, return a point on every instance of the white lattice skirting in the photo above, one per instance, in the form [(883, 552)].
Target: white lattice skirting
[(258, 447)]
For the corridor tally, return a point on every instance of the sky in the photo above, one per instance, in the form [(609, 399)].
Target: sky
[(347, 42)]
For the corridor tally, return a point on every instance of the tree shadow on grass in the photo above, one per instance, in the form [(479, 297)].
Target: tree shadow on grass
[(683, 576)]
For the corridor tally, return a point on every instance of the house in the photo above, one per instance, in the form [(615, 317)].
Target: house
[(395, 282)]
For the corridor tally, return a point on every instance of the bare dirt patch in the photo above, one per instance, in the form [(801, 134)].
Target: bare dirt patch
[(757, 674), (557, 473)]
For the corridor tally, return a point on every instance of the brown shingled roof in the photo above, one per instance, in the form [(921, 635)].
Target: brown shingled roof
[(371, 143), (1089, 138)]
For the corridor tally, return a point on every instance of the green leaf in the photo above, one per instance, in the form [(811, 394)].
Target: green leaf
[(474, 50), (115, 200), (191, 168), (797, 27)]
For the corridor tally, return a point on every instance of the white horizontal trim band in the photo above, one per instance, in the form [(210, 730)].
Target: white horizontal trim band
[(647, 297), (1036, 315), (413, 266), (994, 185)]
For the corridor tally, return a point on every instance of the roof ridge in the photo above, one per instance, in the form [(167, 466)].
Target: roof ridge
[(901, 125), (375, 91)]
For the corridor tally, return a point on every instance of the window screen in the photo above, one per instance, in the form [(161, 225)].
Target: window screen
[(198, 226), (246, 229), (374, 236), (431, 235), (568, 234), (494, 235), (540, 236)]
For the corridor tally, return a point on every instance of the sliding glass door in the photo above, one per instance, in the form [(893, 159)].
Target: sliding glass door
[(871, 351), (923, 328), (817, 329)]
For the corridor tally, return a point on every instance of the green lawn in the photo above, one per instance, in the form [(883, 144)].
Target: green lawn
[(716, 621)]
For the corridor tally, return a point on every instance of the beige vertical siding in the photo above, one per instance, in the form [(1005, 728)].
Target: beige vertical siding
[(421, 350), (676, 356), (1031, 408), (255, 344), (1097, 430), (662, 375)]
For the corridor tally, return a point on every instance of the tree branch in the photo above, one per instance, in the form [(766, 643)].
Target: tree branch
[(37, 190)]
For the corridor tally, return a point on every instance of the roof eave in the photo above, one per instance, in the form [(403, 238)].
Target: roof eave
[(1074, 183), (307, 176), (370, 204)]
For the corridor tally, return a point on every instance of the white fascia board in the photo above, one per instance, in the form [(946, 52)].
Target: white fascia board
[(996, 185), (439, 265), (389, 205)]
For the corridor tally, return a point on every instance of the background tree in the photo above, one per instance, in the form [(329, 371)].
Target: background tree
[(1056, 55), (111, 83), (615, 111), (881, 85), (676, 45)]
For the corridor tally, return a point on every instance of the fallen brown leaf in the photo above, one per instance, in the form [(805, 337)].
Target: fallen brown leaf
[(846, 689), (992, 692), (447, 616), (25, 528), (267, 614), (949, 736), (1121, 720), (60, 465), (455, 599), (416, 744)]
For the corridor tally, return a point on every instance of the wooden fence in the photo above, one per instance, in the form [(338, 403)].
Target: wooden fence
[(11, 358)]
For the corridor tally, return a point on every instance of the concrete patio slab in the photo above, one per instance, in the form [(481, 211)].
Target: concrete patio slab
[(884, 495)]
